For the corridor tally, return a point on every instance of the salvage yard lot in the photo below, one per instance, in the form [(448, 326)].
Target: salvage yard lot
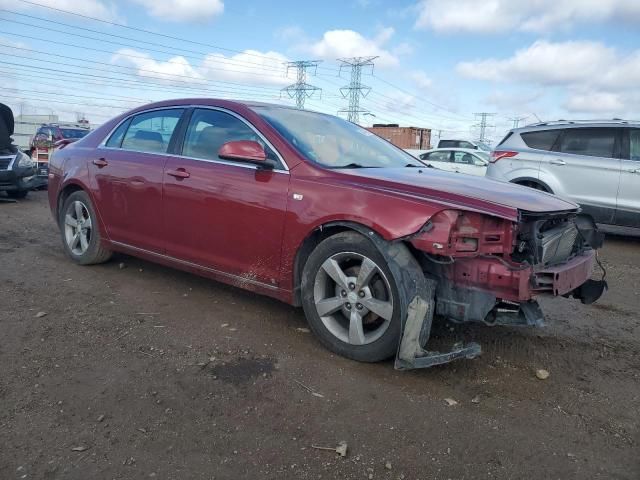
[(144, 371)]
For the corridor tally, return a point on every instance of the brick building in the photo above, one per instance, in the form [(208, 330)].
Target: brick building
[(403, 137)]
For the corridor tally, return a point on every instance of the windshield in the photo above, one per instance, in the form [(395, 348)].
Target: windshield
[(483, 155), (483, 147), (73, 132), (333, 142)]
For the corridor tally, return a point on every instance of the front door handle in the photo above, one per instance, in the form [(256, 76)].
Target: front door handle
[(179, 173), (101, 162), (557, 162)]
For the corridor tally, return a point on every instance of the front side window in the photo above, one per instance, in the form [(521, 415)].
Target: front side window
[(209, 129), (592, 142), (634, 144), (463, 157), (152, 131), (541, 139)]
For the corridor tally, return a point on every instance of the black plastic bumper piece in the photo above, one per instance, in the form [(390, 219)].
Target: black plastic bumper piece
[(590, 291)]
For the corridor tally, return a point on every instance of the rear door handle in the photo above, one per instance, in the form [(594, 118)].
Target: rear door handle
[(179, 173), (101, 162), (557, 162)]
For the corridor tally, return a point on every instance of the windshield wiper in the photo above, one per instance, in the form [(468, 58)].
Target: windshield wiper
[(351, 165)]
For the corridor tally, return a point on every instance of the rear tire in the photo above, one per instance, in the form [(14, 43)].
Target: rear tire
[(80, 233), (18, 194), (358, 316)]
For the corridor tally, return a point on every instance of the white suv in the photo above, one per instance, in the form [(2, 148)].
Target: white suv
[(597, 164)]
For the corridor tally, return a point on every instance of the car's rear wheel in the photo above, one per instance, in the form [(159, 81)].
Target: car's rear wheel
[(18, 194), (350, 298), (80, 233)]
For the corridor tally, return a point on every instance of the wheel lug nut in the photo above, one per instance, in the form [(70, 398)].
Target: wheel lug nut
[(352, 286), (361, 293), (343, 293), (348, 306), (359, 306)]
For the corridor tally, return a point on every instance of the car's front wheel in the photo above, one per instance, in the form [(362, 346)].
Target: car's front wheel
[(80, 233), (350, 298)]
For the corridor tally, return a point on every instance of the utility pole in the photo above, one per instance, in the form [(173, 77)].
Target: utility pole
[(483, 126), (516, 121), (355, 89), (301, 90)]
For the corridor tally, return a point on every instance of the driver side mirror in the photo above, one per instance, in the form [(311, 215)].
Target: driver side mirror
[(480, 163), (245, 151)]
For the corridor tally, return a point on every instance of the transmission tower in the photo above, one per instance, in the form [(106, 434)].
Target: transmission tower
[(301, 90), (355, 89), (516, 121), (482, 125)]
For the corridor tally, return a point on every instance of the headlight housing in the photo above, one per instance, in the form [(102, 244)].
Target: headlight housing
[(25, 161)]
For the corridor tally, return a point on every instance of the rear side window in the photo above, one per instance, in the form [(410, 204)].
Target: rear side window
[(152, 131), (593, 142), (540, 139), (116, 137), (447, 144), (436, 156)]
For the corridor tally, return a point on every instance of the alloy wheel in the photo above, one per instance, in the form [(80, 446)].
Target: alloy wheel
[(353, 298), (77, 227)]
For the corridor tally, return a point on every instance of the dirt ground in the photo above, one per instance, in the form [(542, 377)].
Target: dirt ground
[(147, 372)]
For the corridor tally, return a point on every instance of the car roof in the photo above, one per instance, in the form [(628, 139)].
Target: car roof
[(213, 102), (560, 124), (455, 149)]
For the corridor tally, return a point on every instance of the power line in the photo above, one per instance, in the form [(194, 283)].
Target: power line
[(301, 90), (355, 89), (179, 51), (147, 32), (483, 126)]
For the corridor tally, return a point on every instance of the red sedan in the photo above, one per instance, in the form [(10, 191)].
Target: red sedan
[(318, 212)]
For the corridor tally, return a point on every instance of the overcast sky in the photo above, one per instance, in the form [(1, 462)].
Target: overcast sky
[(438, 61)]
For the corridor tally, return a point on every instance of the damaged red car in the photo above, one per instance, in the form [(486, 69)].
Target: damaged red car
[(320, 213)]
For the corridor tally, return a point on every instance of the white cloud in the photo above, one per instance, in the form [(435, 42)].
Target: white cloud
[(249, 67), (175, 70), (349, 43), (94, 8), (565, 64), (594, 78), (421, 80), (498, 16), (197, 11), (594, 102)]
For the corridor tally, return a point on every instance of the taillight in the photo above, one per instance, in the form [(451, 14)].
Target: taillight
[(499, 154)]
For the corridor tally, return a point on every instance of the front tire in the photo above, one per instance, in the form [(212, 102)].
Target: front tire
[(80, 232), (350, 298)]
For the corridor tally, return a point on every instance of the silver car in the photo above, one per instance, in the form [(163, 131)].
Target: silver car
[(597, 164)]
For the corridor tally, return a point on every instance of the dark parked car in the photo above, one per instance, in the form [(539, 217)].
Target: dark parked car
[(17, 170), (318, 212)]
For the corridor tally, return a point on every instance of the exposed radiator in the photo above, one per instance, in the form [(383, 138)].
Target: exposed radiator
[(557, 244)]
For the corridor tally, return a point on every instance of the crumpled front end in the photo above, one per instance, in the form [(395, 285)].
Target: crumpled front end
[(490, 270), (487, 269)]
